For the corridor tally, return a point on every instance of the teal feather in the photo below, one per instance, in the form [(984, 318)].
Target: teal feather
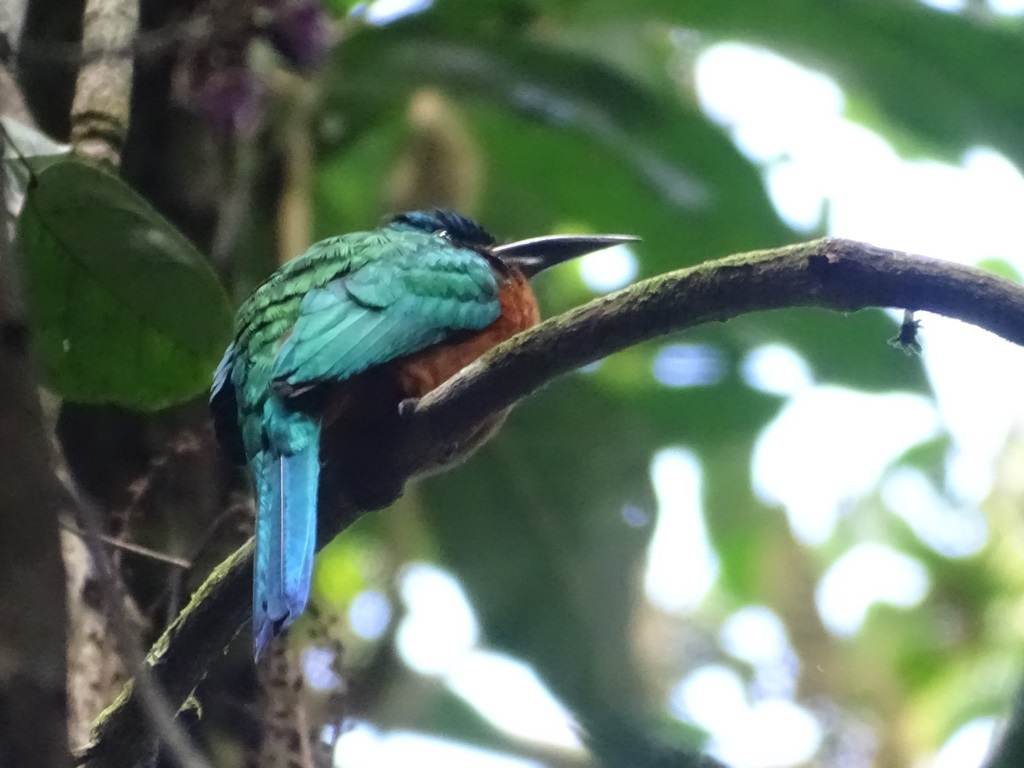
[(286, 536), (347, 304)]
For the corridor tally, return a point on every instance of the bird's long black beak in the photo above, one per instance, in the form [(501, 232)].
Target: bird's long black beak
[(538, 253)]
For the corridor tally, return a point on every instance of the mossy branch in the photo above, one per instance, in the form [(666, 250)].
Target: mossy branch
[(837, 274), (831, 273)]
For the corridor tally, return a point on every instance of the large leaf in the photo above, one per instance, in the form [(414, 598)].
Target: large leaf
[(124, 309)]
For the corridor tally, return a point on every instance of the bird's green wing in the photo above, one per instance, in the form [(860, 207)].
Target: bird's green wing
[(418, 291)]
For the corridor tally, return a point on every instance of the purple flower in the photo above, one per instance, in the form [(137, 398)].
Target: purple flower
[(300, 30)]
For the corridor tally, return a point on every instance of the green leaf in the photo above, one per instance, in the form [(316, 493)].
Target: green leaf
[(125, 310)]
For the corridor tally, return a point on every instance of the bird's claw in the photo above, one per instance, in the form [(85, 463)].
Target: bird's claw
[(407, 406)]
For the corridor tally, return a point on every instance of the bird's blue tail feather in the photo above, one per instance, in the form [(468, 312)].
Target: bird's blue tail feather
[(285, 540)]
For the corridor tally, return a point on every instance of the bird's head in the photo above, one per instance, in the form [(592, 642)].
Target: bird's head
[(529, 256), (456, 227)]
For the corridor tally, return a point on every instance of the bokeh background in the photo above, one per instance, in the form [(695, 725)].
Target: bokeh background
[(780, 539)]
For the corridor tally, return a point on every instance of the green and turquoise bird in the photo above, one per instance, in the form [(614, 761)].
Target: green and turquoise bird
[(409, 304)]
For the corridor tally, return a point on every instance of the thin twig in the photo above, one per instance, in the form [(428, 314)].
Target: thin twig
[(128, 546), (831, 273)]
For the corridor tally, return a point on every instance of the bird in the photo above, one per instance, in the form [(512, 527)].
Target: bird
[(341, 336)]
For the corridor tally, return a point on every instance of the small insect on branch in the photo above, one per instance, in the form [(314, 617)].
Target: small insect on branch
[(907, 339)]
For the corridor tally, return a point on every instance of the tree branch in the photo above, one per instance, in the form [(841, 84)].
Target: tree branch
[(99, 113), (831, 273), (836, 274)]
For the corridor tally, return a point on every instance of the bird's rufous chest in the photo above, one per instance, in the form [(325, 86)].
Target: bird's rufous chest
[(418, 374)]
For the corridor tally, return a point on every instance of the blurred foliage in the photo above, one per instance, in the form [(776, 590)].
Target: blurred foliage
[(536, 116)]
